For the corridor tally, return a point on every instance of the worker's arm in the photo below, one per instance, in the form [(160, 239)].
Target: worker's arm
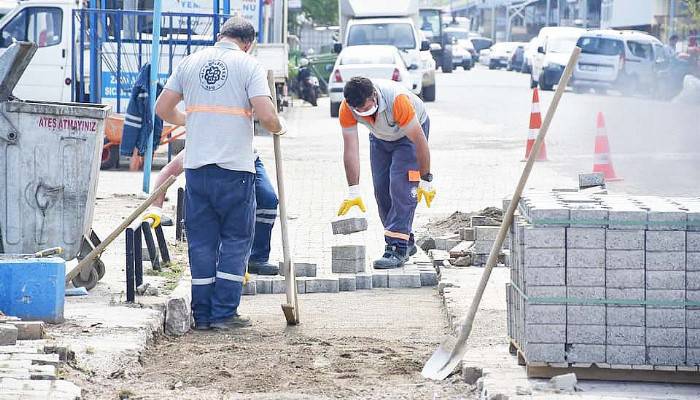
[(415, 134), (351, 160), (267, 114), (166, 107)]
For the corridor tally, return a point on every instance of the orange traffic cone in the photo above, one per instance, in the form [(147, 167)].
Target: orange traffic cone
[(602, 161), (535, 125)]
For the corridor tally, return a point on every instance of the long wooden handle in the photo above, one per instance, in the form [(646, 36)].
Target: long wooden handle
[(466, 327), (125, 224)]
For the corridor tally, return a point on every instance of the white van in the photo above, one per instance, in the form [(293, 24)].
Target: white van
[(555, 47)]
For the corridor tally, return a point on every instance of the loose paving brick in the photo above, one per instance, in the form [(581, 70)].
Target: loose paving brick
[(347, 283), (544, 237), (363, 281), (380, 280), (404, 280), (348, 266), (348, 226), (486, 233), (352, 252), (585, 238), (591, 179), (624, 240), (8, 334), (585, 353), (585, 258), (322, 285), (29, 330)]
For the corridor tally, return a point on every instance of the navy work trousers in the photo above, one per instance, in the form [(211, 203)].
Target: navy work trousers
[(219, 218), (395, 193), (265, 214)]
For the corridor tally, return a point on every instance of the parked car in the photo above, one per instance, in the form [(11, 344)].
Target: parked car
[(501, 53), (517, 59), (555, 47), (462, 48), (485, 57), (479, 43), (628, 61), (529, 55), (371, 61)]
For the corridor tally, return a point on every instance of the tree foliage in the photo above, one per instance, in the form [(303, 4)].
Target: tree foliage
[(694, 10), (322, 12)]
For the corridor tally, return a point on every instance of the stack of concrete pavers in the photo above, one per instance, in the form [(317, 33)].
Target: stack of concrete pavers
[(351, 259), (606, 279)]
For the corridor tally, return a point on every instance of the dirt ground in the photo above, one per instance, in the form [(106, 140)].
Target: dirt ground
[(361, 345)]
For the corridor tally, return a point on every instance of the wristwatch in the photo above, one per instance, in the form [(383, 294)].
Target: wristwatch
[(427, 177)]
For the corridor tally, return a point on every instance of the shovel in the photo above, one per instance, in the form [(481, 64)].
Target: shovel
[(450, 353), (291, 308)]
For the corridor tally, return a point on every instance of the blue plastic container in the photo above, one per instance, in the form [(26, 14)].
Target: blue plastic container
[(32, 288)]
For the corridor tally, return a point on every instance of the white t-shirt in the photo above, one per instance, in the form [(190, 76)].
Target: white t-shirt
[(217, 84)]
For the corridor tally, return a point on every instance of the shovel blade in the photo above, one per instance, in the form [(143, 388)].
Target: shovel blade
[(444, 360), (289, 314)]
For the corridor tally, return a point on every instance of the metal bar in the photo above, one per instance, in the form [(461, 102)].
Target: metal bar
[(170, 72), (130, 289), (162, 247), (227, 7), (261, 37), (180, 215), (151, 245), (94, 45), (138, 258), (119, 62), (81, 86), (155, 68), (216, 18), (189, 34)]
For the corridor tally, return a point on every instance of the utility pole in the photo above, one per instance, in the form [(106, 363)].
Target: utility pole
[(493, 20), (671, 18), (547, 13), (584, 12)]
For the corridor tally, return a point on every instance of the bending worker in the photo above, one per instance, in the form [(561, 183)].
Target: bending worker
[(221, 87), (265, 214), (399, 154)]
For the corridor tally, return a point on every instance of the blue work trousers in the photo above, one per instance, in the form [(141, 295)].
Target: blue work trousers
[(219, 218), (265, 214), (395, 193)]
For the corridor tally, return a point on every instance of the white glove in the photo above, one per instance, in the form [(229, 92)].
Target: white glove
[(283, 126)]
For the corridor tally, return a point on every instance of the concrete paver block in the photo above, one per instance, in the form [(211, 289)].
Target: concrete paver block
[(352, 252), (363, 281), (549, 333), (692, 280), (585, 258), (693, 338), (625, 240), (263, 286), (545, 291), (348, 266), (665, 318), (545, 276), (625, 316), (626, 335), (591, 179), (693, 241), (624, 278), (322, 285), (428, 277), (279, 285), (668, 294), (487, 233), (8, 335), (665, 337), (404, 280), (665, 355), (347, 226), (380, 280), (626, 218), (249, 289), (482, 246), (665, 241), (585, 315), (586, 334), (624, 259), (544, 237), (301, 269), (665, 261), (630, 355), (676, 219), (545, 314), (692, 318), (467, 234), (585, 238), (585, 276), (545, 258), (347, 283), (589, 218), (545, 352), (29, 330), (593, 293), (585, 353), (692, 261), (665, 280)]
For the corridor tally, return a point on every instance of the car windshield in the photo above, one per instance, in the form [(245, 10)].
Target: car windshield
[(641, 50), (430, 23), (600, 46), (368, 57), (561, 45), (458, 35), (480, 44), (399, 35)]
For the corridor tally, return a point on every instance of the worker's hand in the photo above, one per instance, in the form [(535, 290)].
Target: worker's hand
[(426, 190), (283, 126), (154, 214), (353, 199)]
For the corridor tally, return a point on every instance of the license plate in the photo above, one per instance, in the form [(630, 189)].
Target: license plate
[(585, 67)]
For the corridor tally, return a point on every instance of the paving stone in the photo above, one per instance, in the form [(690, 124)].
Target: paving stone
[(591, 179), (545, 258), (624, 259), (545, 352), (585, 276), (627, 217), (301, 269), (585, 315), (364, 281), (349, 225), (322, 285), (446, 243), (585, 353), (634, 355), (693, 338), (625, 294), (665, 355), (692, 261), (42, 372), (404, 280), (466, 234), (487, 233), (347, 283), (380, 280), (545, 215), (263, 286), (14, 374), (482, 246), (676, 219), (29, 330), (692, 318), (585, 238), (480, 220), (626, 335), (249, 289), (666, 294), (15, 364), (8, 334), (348, 252), (544, 237), (590, 293), (589, 217), (545, 291), (549, 333), (585, 258), (665, 337), (39, 359), (665, 241), (545, 314), (348, 266), (586, 334), (693, 241), (279, 285), (692, 280), (461, 250), (625, 316), (665, 280), (665, 261), (624, 278), (665, 317), (428, 277), (624, 240), (693, 356), (545, 276)]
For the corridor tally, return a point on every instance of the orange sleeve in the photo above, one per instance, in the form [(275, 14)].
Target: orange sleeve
[(345, 116), (403, 110)]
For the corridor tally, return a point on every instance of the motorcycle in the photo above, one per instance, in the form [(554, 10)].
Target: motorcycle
[(310, 90)]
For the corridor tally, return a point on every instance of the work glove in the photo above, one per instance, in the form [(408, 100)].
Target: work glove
[(425, 189), (353, 199), (283, 125), (153, 213)]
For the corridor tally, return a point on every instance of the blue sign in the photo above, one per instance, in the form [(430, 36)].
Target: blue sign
[(128, 80)]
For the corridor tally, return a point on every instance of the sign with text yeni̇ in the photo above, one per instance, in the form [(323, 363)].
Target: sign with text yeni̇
[(294, 5), (247, 9)]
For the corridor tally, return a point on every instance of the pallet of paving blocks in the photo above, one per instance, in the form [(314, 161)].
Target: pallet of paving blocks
[(606, 281)]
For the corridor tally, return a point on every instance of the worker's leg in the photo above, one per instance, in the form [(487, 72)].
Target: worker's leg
[(202, 224), (403, 191), (380, 161), (265, 214), (233, 197)]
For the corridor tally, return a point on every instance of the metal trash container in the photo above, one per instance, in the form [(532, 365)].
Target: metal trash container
[(49, 165)]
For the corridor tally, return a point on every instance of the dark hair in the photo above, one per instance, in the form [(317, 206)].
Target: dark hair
[(357, 91), (238, 28)]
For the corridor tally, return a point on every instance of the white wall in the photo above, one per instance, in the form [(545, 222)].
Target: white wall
[(621, 13)]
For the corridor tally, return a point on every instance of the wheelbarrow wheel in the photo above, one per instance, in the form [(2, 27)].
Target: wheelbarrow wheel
[(88, 282), (100, 268)]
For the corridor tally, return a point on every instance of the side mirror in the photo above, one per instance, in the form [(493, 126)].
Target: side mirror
[(337, 47), (424, 45), (412, 67), (540, 50)]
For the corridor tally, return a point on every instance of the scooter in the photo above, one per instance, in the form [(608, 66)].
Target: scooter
[(310, 90)]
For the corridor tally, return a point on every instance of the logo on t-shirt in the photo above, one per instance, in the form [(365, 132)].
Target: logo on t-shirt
[(213, 75)]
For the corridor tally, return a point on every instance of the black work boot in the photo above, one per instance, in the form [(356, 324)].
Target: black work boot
[(262, 268), (392, 258), (230, 323), (412, 250), (166, 221)]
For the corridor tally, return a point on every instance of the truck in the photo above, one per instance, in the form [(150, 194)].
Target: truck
[(440, 42), (367, 22)]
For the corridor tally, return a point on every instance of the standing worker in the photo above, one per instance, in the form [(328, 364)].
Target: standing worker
[(221, 87), (399, 154)]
